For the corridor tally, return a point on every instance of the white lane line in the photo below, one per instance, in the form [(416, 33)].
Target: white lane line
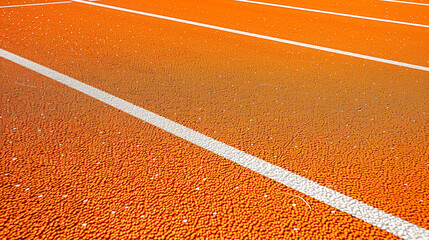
[(333, 13), (34, 4), (331, 50), (358, 209), (414, 3)]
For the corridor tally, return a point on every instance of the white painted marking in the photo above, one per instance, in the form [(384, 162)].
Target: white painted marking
[(34, 4), (22, 84), (334, 13), (331, 50), (414, 3), (358, 209)]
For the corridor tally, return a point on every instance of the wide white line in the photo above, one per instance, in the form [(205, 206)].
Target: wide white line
[(333, 13), (331, 50), (363, 211), (422, 4), (33, 4)]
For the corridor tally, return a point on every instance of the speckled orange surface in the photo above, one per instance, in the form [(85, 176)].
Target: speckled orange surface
[(358, 127), (25, 2), (385, 40), (74, 168)]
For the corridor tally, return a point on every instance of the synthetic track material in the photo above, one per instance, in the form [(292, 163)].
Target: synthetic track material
[(357, 55), (387, 79), (343, 203), (34, 4), (333, 13)]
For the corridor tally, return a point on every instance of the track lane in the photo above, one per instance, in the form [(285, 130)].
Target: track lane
[(333, 13), (264, 37), (384, 40), (367, 213), (25, 2), (183, 96), (420, 3), (186, 69), (73, 167), (376, 8)]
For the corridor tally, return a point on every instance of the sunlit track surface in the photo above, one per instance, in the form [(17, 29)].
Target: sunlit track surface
[(406, 2), (333, 13), (73, 167)]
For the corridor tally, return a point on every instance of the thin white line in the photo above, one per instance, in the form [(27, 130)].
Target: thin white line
[(358, 209), (26, 85), (422, 4), (357, 55), (34, 4), (334, 13)]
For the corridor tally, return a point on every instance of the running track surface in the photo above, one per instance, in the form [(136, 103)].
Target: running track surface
[(73, 167)]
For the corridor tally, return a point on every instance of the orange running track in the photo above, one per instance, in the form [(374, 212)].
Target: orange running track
[(73, 167)]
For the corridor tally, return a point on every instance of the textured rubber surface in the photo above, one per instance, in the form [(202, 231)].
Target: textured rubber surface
[(352, 125), (79, 169)]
